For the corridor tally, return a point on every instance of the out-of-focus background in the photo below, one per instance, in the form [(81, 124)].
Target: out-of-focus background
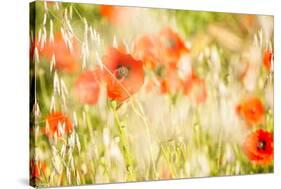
[(254, 183)]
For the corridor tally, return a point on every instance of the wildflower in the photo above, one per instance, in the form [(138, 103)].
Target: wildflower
[(196, 88), (36, 168), (170, 82), (56, 121), (251, 110), (116, 15), (145, 49), (258, 147), (267, 57), (66, 55), (171, 45), (87, 87), (123, 74)]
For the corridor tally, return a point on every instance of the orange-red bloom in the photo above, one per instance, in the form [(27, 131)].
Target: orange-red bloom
[(57, 123), (171, 45), (196, 88), (251, 110), (123, 75), (170, 82), (116, 15), (87, 87), (258, 147), (146, 49), (267, 57), (67, 56), (36, 168)]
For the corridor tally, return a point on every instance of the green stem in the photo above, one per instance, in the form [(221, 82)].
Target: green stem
[(124, 146)]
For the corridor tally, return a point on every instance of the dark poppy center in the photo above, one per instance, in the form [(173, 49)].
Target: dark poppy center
[(253, 110), (261, 145), (122, 72), (160, 70)]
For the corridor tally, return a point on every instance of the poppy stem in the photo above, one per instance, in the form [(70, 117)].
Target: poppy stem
[(124, 144)]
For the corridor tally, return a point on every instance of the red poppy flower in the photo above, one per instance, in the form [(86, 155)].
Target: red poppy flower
[(123, 75), (170, 82), (171, 45), (258, 147), (54, 121), (36, 168), (267, 57), (145, 49), (116, 15), (251, 110), (122, 47), (67, 58), (87, 87), (196, 88)]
